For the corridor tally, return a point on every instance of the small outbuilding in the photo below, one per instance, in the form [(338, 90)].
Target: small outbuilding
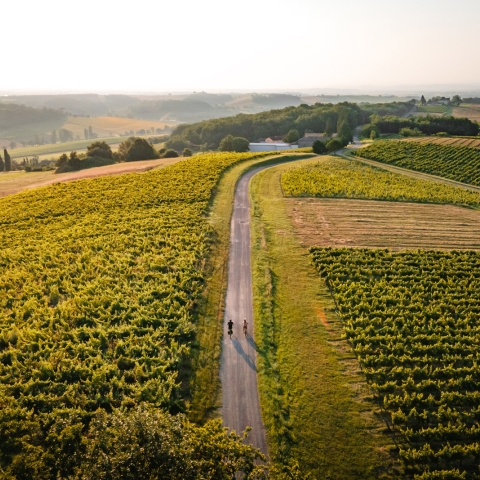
[(268, 147)]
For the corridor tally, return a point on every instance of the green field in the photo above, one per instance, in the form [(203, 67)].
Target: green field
[(339, 178), (412, 321), (456, 163), (58, 148), (439, 109), (99, 284)]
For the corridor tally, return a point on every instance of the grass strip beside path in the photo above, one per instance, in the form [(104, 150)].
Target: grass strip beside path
[(314, 398), (206, 382)]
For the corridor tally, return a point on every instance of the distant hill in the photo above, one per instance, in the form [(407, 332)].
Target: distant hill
[(12, 115), (175, 108)]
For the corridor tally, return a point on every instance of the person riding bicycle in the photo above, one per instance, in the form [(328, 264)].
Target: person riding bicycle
[(245, 326), (230, 327)]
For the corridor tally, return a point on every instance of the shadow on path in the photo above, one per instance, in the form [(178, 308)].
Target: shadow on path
[(238, 347)]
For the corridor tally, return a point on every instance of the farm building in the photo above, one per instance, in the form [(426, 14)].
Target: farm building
[(267, 147), (309, 138)]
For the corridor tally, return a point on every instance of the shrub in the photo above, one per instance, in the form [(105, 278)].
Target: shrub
[(99, 149), (292, 136), (140, 149), (334, 145), (187, 152), (410, 132), (319, 147), (234, 144), (170, 153)]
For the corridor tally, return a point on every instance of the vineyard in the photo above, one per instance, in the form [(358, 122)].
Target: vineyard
[(350, 179), (457, 163), (98, 280), (453, 141), (412, 319)]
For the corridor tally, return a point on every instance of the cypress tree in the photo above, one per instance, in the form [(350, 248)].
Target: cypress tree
[(8, 162), (329, 129), (2, 165), (423, 101)]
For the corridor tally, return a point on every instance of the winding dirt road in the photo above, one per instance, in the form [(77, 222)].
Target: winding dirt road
[(238, 372)]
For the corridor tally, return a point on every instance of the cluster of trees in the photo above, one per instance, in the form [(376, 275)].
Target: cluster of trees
[(99, 153), (5, 162), (471, 100), (89, 133), (427, 125), (315, 118)]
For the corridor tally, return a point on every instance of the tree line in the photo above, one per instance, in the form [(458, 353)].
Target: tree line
[(425, 125), (320, 117)]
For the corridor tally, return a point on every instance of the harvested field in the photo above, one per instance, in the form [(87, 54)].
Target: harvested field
[(454, 141), (468, 110), (14, 182), (375, 224)]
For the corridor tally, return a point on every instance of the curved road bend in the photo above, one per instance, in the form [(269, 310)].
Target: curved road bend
[(238, 372)]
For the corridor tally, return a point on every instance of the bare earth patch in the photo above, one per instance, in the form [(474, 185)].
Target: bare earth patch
[(332, 222), (14, 182)]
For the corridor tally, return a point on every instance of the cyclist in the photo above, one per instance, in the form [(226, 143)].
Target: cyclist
[(245, 326), (230, 328)]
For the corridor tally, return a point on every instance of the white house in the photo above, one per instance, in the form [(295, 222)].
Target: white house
[(268, 147)]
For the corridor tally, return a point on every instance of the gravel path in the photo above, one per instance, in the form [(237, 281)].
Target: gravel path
[(238, 372)]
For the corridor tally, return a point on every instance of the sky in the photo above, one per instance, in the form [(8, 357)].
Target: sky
[(248, 45)]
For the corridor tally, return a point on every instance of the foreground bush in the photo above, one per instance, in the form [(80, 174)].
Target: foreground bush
[(142, 444)]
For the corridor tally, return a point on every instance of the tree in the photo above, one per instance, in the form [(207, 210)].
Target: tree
[(100, 150), (423, 101), (292, 136), (329, 128), (373, 134), (85, 133), (319, 147), (187, 152), (234, 144), (12, 145), (140, 149), (90, 132), (65, 135), (334, 145), (2, 165), (54, 136), (8, 161), (345, 133), (456, 100), (62, 160)]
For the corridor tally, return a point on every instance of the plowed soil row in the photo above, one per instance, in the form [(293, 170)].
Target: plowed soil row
[(375, 224)]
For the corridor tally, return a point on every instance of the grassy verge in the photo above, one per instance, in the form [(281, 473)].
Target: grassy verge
[(206, 381), (315, 402)]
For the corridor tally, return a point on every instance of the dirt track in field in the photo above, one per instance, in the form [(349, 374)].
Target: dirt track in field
[(28, 181), (373, 224)]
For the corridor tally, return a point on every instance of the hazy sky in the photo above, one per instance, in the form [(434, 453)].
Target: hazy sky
[(108, 45)]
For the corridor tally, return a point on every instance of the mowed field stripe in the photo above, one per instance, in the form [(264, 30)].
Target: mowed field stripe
[(378, 224)]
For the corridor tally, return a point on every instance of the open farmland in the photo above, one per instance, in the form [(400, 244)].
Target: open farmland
[(99, 282), (373, 224), (412, 320), (110, 126), (461, 164), (468, 110), (14, 182)]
